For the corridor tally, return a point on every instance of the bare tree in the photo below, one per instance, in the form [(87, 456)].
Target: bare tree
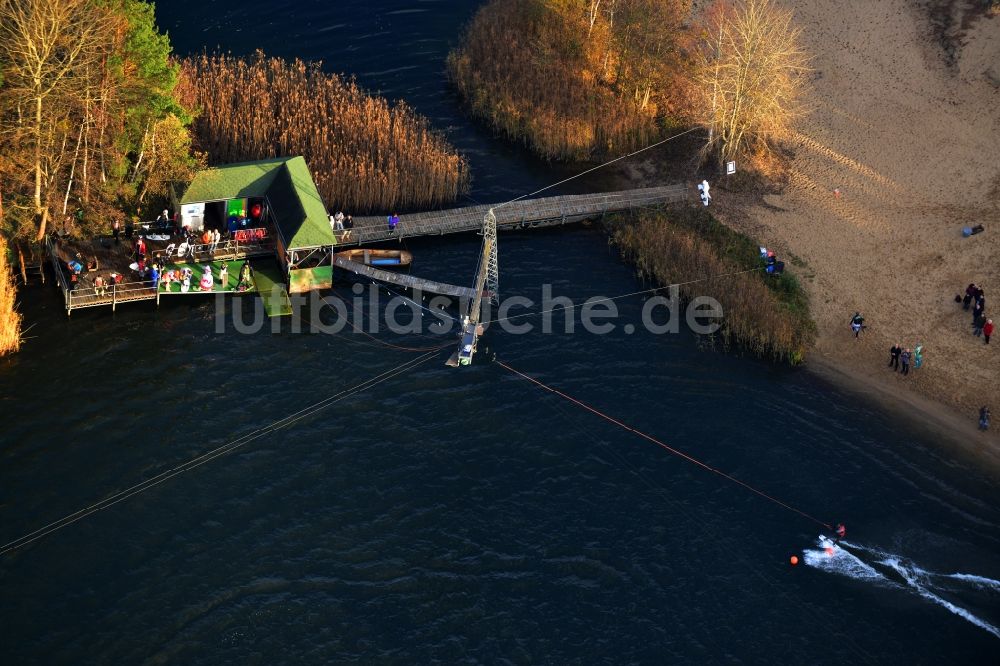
[(750, 74), (593, 11), (46, 48)]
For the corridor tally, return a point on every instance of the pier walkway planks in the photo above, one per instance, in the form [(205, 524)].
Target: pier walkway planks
[(527, 213)]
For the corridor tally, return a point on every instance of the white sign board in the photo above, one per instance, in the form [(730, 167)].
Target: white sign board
[(730, 168), (193, 216)]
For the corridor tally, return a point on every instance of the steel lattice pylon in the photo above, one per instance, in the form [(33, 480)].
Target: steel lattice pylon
[(492, 267)]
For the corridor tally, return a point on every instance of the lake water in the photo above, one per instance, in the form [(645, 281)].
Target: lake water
[(464, 515)]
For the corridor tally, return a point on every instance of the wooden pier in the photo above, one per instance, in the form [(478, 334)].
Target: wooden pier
[(403, 279), (524, 214)]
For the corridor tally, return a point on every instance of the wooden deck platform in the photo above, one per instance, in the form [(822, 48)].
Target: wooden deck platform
[(404, 280), (118, 257), (527, 213)]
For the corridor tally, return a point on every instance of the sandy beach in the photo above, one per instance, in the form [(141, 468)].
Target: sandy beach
[(904, 121)]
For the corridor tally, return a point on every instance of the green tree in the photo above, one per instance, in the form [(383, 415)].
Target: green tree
[(88, 92)]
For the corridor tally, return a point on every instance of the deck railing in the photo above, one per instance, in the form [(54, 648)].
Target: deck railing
[(114, 293), (224, 248), (79, 296)]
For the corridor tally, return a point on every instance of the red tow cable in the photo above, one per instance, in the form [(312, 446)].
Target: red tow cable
[(670, 449)]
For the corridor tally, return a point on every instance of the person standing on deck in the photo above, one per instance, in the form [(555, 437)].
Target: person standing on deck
[(393, 223), (905, 360), (246, 277), (984, 418), (116, 230), (918, 356), (988, 330)]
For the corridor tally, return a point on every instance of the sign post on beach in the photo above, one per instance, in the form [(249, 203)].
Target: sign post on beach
[(730, 168)]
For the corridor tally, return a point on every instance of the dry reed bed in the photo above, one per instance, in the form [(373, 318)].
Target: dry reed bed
[(511, 73), (10, 318), (365, 155), (765, 314)]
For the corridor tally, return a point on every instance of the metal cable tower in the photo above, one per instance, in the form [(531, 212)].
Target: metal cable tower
[(492, 267), (487, 279)]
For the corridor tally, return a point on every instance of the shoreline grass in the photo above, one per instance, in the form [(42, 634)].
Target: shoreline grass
[(10, 318), (766, 315)]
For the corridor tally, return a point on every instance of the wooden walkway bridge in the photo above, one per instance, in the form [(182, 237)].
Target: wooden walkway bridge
[(403, 279), (527, 213)]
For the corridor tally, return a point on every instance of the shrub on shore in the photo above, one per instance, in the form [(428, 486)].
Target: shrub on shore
[(10, 318), (364, 154), (573, 80), (765, 314)]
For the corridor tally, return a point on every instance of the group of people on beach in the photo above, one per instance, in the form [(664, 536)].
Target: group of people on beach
[(901, 356), (976, 298)]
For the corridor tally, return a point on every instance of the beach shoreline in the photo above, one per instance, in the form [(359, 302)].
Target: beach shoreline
[(897, 153), (954, 432)]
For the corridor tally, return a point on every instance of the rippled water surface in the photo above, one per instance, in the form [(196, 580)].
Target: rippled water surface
[(464, 515)]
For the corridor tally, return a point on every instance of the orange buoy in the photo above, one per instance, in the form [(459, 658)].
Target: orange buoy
[(794, 560)]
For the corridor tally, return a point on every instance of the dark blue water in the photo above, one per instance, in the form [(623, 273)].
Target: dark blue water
[(463, 515)]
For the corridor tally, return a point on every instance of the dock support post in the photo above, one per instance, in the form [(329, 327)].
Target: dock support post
[(114, 295)]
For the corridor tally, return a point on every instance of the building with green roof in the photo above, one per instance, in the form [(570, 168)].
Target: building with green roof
[(285, 183), (289, 204)]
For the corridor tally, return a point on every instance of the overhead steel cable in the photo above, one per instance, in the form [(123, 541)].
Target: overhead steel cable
[(211, 455), (603, 299), (666, 447)]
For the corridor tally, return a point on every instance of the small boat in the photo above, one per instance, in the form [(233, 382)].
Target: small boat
[(378, 257)]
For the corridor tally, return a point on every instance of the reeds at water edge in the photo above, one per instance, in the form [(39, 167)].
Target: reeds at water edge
[(767, 315), (10, 318), (365, 154)]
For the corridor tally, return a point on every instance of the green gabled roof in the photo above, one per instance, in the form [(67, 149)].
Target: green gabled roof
[(311, 226), (233, 181), (288, 187)]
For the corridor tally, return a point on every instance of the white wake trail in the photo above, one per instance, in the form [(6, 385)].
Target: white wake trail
[(913, 579), (840, 560)]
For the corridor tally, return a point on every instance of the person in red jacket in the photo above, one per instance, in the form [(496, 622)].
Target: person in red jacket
[(988, 330), (840, 531)]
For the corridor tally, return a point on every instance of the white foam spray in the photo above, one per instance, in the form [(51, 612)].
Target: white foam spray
[(840, 560)]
